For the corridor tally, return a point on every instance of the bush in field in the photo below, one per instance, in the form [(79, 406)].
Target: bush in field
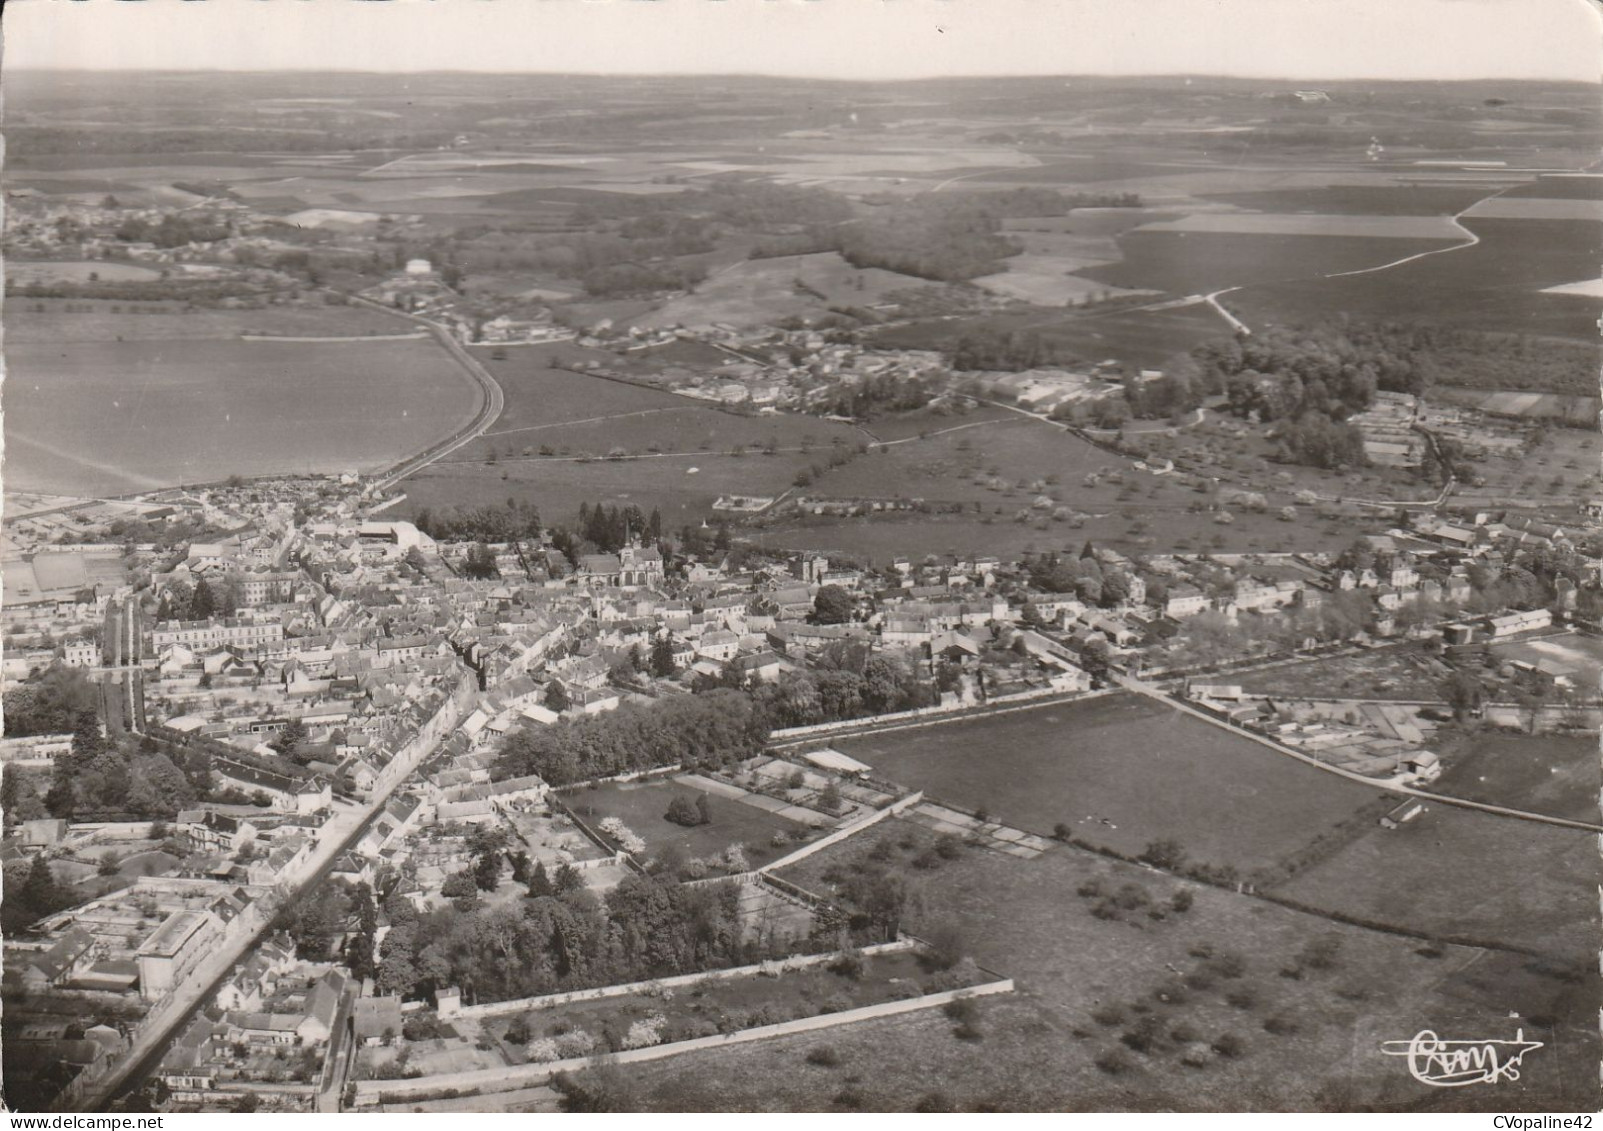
[(966, 1012), (1110, 1014), (1281, 1025), (1228, 966), (1114, 1062), (1089, 890), (1229, 1045), (935, 1102), (1182, 900), (1242, 998), (1320, 954), (1143, 1036), (1165, 854), (825, 1056)]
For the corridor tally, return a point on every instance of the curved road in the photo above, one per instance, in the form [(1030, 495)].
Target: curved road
[(489, 410)]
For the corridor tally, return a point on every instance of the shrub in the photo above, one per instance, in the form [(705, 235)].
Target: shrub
[(1143, 1036), (1170, 995), (1110, 1014), (1062, 832), (1182, 900), (1291, 971), (1201, 950), (1228, 966), (1229, 1045), (1105, 909), (1320, 954), (1114, 1062), (848, 965), (1281, 1025), (1199, 980), (1184, 1034), (949, 847), (850, 1097), (1131, 896), (1165, 854), (1196, 1056), (825, 1056), (1242, 998), (836, 1003), (1089, 890), (966, 1012), (933, 1102)]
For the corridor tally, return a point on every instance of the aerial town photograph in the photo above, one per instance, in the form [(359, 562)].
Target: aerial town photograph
[(952, 556)]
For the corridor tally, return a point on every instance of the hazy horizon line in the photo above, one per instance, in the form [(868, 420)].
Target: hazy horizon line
[(840, 80)]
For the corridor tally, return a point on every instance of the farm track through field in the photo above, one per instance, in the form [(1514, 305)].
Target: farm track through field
[(1470, 240)]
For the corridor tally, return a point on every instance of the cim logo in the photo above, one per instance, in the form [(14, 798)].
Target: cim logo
[(1455, 1064)]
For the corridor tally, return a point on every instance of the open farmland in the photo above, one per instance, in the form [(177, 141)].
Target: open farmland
[(763, 291), (1494, 285), (1138, 336), (1122, 772), (1040, 1044), (1359, 200), (105, 417), (1556, 774), (1459, 872), (1194, 262)]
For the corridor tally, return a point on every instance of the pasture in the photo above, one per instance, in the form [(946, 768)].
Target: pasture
[(107, 417), (1460, 872), (1495, 285), (641, 807), (1312, 224), (1041, 1044), (30, 272), (1405, 199), (1121, 771), (1196, 262), (1556, 774), (755, 292)]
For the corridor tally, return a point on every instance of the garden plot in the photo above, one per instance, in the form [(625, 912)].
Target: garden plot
[(782, 806), (953, 822)]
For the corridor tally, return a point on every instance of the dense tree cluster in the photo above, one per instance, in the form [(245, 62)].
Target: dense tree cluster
[(644, 928), (1006, 350), (510, 523), (947, 238), (713, 729), (1319, 441), (860, 685), (181, 601), (58, 700), (32, 892), (609, 529)]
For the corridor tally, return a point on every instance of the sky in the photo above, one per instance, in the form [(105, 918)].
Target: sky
[(846, 39)]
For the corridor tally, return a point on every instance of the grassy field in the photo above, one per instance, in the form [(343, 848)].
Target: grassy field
[(96, 416), (1495, 285), (1359, 200), (26, 272), (1039, 1046), (1556, 774), (127, 321), (1138, 337), (1121, 771), (1196, 262), (763, 291), (1456, 871), (642, 807)]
